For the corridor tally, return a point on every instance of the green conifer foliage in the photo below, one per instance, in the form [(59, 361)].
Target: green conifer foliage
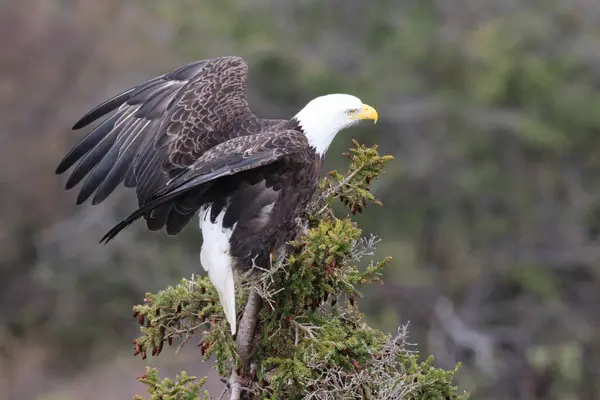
[(311, 340)]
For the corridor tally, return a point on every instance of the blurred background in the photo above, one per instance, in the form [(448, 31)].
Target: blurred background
[(491, 206)]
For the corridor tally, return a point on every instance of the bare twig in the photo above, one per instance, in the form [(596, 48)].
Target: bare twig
[(384, 373), (365, 247), (307, 329), (263, 283)]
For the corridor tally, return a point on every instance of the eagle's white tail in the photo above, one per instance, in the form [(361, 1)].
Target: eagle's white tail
[(215, 259)]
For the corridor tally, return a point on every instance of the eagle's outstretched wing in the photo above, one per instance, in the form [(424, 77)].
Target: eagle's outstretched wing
[(160, 128), (228, 158)]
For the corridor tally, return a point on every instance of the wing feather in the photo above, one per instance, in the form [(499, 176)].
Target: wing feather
[(94, 179), (129, 180), (228, 158), (91, 159), (103, 109), (159, 128), (136, 95), (87, 143), (122, 165), (98, 162), (155, 106), (159, 217)]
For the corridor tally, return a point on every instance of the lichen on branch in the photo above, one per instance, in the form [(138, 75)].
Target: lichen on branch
[(311, 339)]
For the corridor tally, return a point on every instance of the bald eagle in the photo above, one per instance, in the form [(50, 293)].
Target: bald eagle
[(190, 145)]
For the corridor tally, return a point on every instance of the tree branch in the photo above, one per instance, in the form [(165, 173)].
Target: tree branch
[(245, 346)]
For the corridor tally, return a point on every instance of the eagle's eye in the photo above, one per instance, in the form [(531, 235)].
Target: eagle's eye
[(350, 112)]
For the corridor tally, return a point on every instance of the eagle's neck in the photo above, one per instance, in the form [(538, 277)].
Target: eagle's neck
[(318, 131)]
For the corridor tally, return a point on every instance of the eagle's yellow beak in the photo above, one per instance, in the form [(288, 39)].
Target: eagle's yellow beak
[(367, 112)]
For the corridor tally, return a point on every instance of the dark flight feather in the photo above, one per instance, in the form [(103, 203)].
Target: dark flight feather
[(228, 158), (159, 217), (109, 154), (122, 165), (103, 109), (172, 136), (105, 154), (177, 221), (87, 143), (91, 159)]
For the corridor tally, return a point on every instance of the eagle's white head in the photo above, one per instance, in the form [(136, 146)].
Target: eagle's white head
[(322, 118)]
